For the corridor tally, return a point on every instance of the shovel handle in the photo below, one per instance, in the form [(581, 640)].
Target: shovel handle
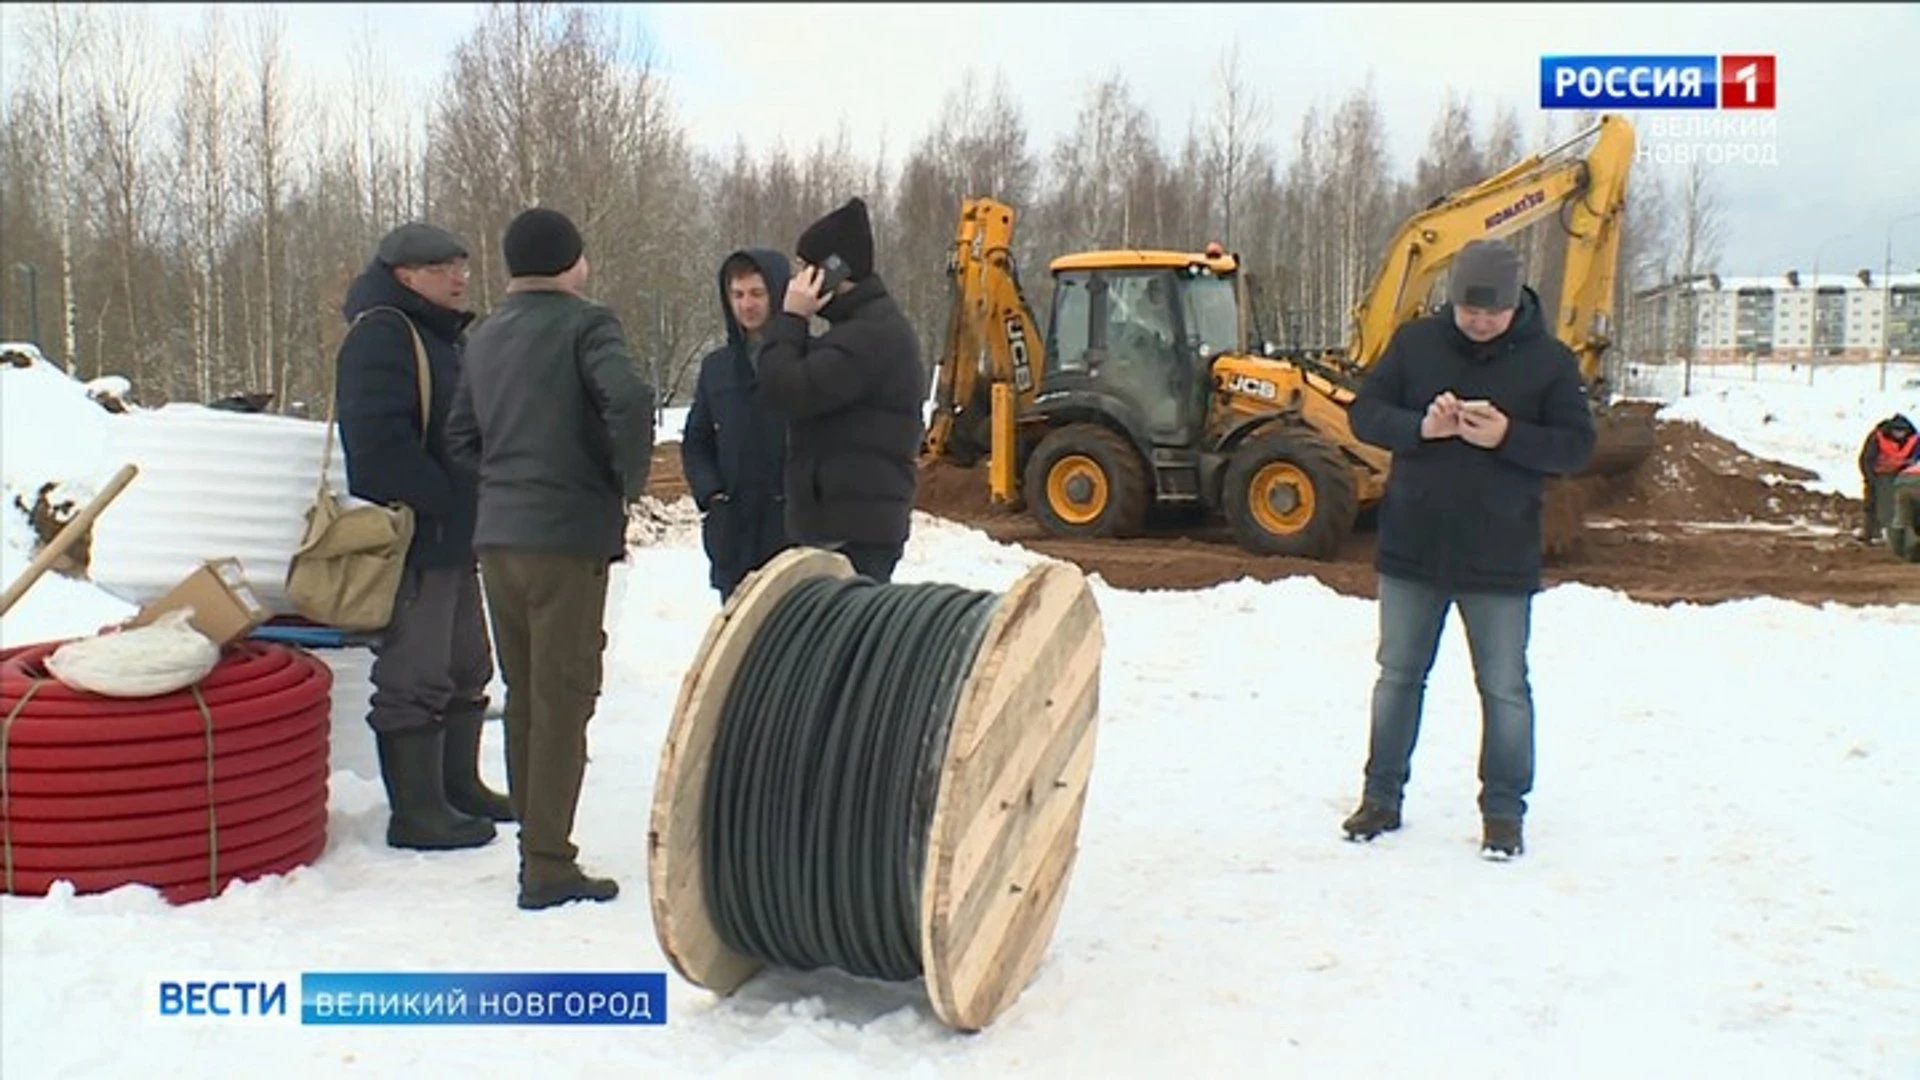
[(68, 535)]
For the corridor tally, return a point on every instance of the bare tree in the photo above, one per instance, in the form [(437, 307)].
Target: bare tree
[(58, 39), (1237, 137), (266, 145)]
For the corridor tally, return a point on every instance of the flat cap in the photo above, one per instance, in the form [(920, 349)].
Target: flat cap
[(420, 244)]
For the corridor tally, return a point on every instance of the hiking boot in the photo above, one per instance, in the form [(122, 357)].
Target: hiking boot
[(1500, 838), (411, 766), (1371, 820), (466, 792), (572, 884)]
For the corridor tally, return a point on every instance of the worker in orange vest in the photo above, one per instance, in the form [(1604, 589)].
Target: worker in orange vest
[(1890, 447)]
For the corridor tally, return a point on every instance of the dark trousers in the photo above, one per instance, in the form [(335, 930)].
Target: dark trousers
[(433, 658), (1412, 616), (1878, 497), (547, 614)]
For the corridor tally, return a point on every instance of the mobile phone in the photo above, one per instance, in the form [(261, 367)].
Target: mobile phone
[(832, 273), (1476, 405)]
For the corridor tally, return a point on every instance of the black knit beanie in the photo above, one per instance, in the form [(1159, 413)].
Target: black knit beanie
[(847, 233), (541, 243)]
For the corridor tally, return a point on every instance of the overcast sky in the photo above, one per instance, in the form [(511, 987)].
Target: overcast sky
[(1848, 122)]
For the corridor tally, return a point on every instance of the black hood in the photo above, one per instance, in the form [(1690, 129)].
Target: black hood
[(1528, 323), (773, 268), (377, 287)]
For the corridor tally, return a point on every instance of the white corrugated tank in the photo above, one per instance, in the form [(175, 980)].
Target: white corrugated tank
[(212, 484)]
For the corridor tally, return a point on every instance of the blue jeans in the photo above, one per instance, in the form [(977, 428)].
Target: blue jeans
[(1412, 616)]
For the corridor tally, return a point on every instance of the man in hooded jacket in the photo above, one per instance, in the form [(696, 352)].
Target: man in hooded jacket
[(734, 448), (434, 660), (1479, 404)]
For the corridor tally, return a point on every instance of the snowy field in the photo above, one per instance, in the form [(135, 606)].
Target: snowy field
[(1713, 887)]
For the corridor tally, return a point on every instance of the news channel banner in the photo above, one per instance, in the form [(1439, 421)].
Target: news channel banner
[(1716, 109), (401, 998)]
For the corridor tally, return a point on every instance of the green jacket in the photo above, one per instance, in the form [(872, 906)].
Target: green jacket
[(554, 418)]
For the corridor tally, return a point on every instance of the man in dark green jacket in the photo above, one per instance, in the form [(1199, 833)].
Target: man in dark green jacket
[(556, 421)]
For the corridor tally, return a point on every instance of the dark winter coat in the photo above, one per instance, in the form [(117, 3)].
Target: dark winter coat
[(853, 398), (555, 418), (377, 402), (1455, 515), (735, 444)]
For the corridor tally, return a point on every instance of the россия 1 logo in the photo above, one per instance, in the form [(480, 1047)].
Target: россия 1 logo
[(1744, 81)]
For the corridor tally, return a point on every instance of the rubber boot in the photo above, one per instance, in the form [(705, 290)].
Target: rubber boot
[(411, 765), (466, 792)]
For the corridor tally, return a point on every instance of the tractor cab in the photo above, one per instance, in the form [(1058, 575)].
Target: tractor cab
[(1139, 330)]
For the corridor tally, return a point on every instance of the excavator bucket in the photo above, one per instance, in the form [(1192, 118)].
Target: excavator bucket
[(1625, 439)]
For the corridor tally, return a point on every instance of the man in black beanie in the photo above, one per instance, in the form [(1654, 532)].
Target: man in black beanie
[(555, 418), (1479, 403), (853, 398)]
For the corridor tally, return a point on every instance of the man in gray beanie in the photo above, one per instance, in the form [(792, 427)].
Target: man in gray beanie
[(1478, 403), (555, 419)]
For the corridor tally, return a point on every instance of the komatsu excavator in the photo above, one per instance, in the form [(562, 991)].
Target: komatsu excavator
[(1152, 386)]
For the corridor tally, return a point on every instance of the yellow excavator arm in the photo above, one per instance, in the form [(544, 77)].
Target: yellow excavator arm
[(1592, 190), (992, 339)]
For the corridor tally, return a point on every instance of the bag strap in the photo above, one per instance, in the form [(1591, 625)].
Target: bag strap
[(423, 380)]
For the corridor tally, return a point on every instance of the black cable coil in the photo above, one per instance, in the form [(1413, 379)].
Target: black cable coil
[(821, 788)]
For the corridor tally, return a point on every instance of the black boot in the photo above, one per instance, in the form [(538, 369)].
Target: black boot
[(1370, 821), (1501, 838), (411, 765), (569, 885), (466, 792)]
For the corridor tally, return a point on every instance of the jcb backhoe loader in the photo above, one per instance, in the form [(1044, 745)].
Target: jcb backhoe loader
[(1152, 386)]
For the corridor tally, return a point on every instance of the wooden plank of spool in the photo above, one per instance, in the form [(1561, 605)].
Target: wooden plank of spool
[(682, 919), (1006, 822)]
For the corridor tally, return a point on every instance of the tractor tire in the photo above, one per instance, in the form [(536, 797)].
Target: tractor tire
[(1084, 480), (1290, 493)]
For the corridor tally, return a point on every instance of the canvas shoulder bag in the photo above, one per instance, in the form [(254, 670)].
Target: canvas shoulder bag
[(346, 572)]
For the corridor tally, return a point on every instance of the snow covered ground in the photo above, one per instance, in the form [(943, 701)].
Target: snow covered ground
[(1713, 886)]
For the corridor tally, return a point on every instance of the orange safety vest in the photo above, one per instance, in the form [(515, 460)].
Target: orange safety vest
[(1890, 456)]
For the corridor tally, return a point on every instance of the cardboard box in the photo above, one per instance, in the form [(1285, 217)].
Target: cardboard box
[(224, 605)]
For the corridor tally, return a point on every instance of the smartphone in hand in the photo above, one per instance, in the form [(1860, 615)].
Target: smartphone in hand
[(832, 273)]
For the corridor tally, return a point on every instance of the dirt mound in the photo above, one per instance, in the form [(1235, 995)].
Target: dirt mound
[(952, 492), (1695, 475)]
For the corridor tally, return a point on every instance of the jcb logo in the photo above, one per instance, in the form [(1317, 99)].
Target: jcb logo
[(1017, 347), (1247, 384)]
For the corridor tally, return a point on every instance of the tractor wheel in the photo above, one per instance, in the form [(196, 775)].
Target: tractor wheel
[(1290, 493), (1085, 480)]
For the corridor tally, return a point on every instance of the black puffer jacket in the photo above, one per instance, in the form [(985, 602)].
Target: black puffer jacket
[(377, 401), (853, 400), (1455, 515)]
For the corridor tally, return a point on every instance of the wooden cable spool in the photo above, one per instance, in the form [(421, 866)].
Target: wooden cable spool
[(1006, 818)]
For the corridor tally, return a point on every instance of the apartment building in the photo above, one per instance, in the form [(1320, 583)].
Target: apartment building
[(1788, 317)]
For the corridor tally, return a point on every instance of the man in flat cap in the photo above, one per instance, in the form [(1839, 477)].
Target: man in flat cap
[(434, 661), (1478, 403), (555, 419), (853, 398)]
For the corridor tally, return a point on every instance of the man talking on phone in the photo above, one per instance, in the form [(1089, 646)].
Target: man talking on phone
[(852, 397), (1478, 403)]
